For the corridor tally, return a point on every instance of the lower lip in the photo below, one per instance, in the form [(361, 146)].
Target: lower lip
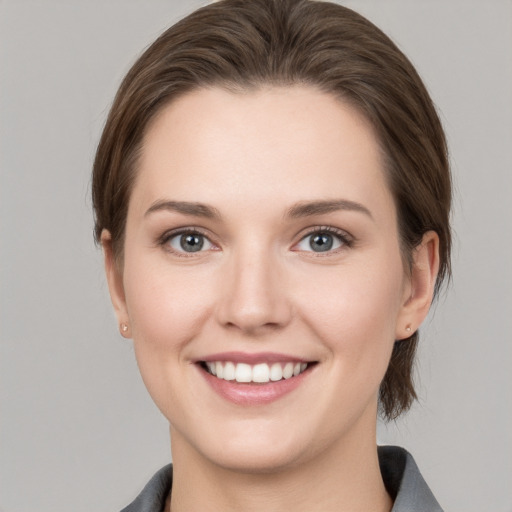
[(253, 393)]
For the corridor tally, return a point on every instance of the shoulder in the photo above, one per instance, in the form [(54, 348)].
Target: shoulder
[(153, 496), (404, 482)]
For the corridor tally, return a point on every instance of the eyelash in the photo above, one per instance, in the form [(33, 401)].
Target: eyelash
[(169, 235), (346, 240), (343, 237)]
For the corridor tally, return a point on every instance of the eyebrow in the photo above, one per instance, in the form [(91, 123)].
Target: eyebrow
[(299, 210), (310, 208), (184, 207)]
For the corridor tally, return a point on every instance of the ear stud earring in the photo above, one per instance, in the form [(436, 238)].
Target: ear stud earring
[(408, 328), (124, 327)]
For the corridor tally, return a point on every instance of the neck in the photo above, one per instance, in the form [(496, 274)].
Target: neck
[(346, 478)]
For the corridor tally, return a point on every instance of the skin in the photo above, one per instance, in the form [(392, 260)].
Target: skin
[(258, 286)]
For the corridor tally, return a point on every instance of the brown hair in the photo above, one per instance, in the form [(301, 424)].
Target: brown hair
[(241, 45)]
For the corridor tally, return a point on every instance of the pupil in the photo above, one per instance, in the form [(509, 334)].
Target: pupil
[(321, 242), (191, 243)]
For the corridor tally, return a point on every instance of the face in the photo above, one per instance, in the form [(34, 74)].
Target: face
[(262, 283)]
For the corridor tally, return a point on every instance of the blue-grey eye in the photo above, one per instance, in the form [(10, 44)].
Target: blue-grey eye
[(190, 242), (320, 241)]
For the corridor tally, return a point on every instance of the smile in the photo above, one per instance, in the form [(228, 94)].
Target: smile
[(254, 379), (261, 373)]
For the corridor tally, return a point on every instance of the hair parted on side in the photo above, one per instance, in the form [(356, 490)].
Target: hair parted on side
[(243, 45)]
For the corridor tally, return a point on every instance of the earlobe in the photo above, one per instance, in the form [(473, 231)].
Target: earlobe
[(115, 283), (422, 281)]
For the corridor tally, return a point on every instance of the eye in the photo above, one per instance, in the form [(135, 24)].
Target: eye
[(189, 242), (323, 240)]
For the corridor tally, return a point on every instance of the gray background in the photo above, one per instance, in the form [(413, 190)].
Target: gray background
[(78, 430)]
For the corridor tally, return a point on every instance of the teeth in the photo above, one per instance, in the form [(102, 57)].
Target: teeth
[(243, 373), (211, 368), (288, 370), (229, 371), (276, 372), (261, 373)]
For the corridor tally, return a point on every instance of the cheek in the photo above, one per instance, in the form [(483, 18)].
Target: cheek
[(355, 314), (167, 308), (165, 304)]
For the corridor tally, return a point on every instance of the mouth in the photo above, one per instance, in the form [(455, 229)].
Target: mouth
[(254, 379), (260, 373)]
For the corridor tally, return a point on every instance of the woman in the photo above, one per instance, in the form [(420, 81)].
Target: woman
[(272, 196)]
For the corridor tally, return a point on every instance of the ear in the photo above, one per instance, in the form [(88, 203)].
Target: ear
[(419, 290), (115, 284)]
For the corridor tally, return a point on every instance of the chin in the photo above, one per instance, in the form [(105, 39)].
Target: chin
[(256, 459), (255, 447)]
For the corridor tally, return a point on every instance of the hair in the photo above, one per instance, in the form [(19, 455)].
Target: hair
[(244, 45)]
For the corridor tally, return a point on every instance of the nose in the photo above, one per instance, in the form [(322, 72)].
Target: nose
[(254, 294)]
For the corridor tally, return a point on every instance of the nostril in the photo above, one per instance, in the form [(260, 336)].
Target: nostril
[(253, 299)]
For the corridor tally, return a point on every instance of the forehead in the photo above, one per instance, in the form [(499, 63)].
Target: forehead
[(282, 143)]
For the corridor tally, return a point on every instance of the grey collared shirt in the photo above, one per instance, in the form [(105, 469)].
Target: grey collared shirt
[(401, 476)]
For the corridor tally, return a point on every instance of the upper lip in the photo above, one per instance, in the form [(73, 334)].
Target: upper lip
[(252, 358)]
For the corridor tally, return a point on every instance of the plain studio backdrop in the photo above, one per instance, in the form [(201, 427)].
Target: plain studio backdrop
[(78, 430)]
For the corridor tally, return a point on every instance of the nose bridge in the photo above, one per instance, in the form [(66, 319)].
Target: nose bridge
[(254, 295)]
